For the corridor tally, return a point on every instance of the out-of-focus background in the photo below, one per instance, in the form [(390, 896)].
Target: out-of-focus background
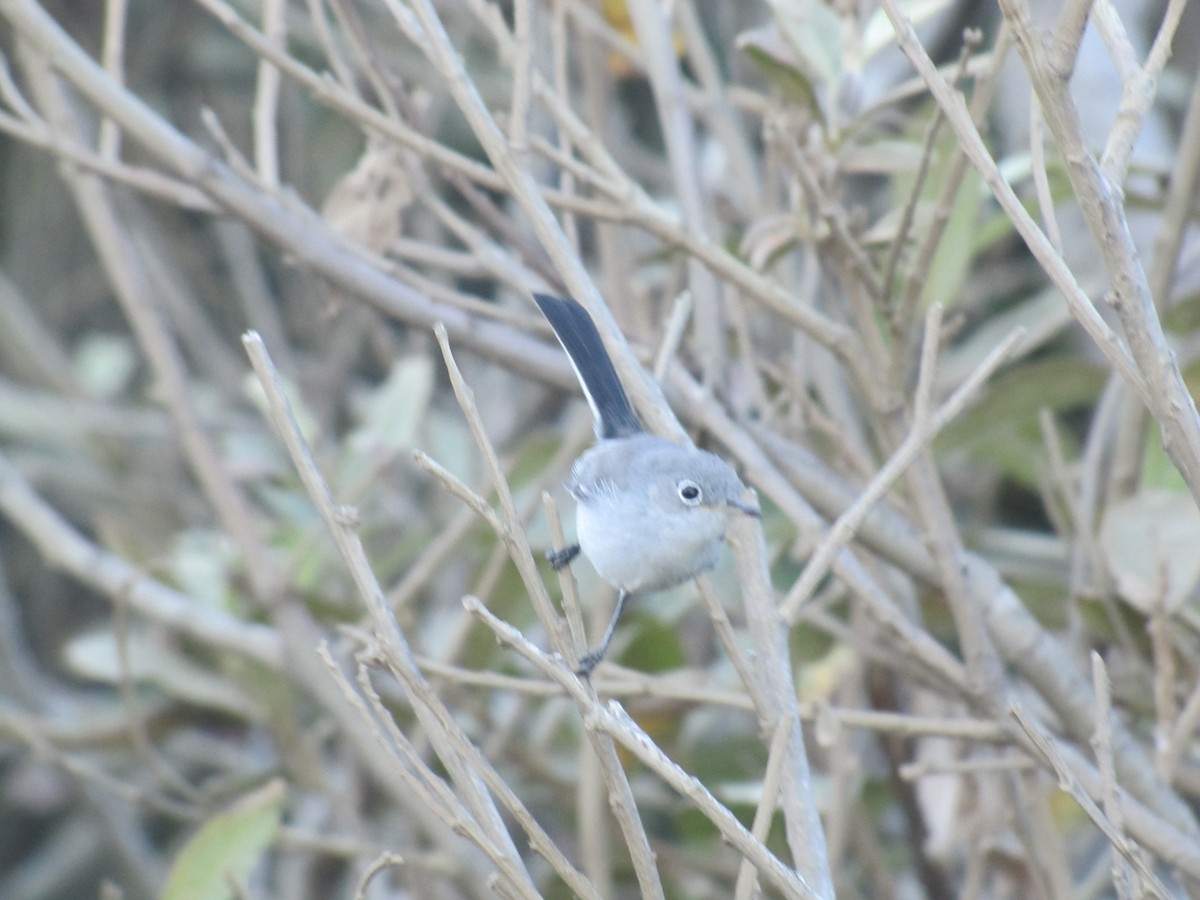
[(892, 284)]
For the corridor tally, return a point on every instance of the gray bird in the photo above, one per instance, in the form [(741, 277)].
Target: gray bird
[(650, 514)]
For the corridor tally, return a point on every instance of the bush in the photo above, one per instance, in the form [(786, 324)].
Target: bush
[(268, 276)]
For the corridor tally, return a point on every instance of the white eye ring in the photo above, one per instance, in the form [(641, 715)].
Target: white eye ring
[(689, 492)]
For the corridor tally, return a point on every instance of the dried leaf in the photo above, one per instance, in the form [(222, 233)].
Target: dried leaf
[(367, 203)]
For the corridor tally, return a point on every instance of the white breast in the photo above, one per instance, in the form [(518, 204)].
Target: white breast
[(636, 551)]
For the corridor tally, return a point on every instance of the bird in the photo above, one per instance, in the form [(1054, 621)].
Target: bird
[(650, 514)]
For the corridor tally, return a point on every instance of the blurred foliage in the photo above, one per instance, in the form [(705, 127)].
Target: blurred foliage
[(126, 742)]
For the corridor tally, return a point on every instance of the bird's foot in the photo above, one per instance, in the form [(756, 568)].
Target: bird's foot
[(560, 559)]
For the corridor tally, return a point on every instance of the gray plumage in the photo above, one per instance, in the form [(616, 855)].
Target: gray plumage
[(650, 514)]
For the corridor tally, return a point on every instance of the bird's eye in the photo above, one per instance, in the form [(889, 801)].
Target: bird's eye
[(689, 492)]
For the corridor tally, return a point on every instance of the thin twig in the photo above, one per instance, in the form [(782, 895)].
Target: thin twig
[(1041, 179), (774, 693), (1102, 747), (112, 57), (924, 429), (652, 22), (1069, 782), (266, 96), (469, 769), (522, 66), (514, 537), (611, 720), (747, 879), (1139, 83), (972, 144), (1159, 380), (62, 546)]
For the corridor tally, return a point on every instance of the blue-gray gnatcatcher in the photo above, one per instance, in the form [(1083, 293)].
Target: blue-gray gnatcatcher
[(650, 514)]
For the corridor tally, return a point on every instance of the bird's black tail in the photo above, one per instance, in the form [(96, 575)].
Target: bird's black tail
[(578, 335)]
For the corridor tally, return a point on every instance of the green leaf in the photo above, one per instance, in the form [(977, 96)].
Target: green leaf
[(958, 242), (1042, 316), (200, 562), (1149, 542), (1003, 429), (655, 647), (393, 412), (1184, 316), (956, 251), (813, 32), (105, 364), (793, 84), (1158, 471), (226, 848)]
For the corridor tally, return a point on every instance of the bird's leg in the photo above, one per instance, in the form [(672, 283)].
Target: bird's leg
[(592, 659), (560, 559)]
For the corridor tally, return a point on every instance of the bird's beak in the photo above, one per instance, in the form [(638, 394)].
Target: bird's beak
[(745, 508)]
